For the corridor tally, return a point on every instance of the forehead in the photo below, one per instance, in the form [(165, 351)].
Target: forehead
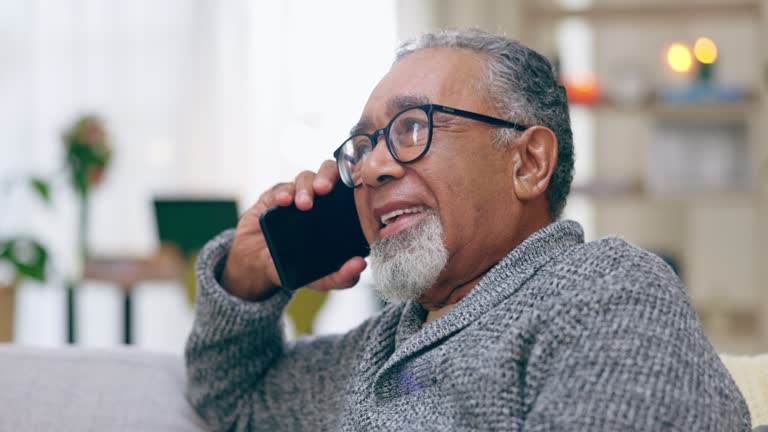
[(444, 76)]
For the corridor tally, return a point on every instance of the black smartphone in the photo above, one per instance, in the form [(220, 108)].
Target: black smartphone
[(308, 245)]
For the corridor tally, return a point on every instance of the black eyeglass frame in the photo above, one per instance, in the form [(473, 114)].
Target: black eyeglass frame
[(429, 110)]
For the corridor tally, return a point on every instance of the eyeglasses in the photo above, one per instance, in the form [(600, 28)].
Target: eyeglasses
[(408, 136)]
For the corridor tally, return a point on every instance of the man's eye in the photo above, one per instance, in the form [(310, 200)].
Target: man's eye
[(415, 124), (410, 126), (363, 152)]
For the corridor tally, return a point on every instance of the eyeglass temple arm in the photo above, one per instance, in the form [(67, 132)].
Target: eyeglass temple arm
[(479, 117)]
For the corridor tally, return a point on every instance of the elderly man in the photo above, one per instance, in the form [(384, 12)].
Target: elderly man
[(501, 317)]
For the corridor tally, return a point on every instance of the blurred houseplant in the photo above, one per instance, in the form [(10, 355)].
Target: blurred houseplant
[(88, 155), (24, 258)]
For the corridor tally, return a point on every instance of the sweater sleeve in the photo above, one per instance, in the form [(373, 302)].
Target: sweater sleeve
[(241, 373), (628, 353)]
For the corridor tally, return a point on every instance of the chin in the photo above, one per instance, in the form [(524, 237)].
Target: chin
[(406, 264)]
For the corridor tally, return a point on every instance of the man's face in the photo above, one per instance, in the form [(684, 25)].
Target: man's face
[(463, 178)]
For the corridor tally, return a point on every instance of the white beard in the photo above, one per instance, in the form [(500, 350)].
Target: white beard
[(406, 264)]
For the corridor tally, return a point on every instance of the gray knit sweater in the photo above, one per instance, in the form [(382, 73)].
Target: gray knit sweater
[(559, 335)]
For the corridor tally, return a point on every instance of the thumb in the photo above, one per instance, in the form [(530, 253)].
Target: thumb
[(345, 277)]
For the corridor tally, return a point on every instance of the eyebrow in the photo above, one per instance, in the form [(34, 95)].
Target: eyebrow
[(394, 105), (399, 103)]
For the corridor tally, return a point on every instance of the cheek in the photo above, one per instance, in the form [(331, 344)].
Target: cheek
[(460, 220), (365, 217), (469, 191), (457, 205)]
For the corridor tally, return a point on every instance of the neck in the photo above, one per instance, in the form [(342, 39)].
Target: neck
[(438, 297), (435, 314), (433, 303)]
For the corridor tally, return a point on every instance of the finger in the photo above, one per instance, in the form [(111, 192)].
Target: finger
[(280, 194), (278, 186), (335, 281), (304, 191), (345, 277), (327, 177), (285, 194), (248, 222)]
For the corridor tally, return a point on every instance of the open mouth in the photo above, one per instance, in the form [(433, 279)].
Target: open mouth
[(391, 217)]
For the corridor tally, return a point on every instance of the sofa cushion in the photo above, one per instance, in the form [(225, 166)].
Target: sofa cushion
[(751, 376), (76, 389)]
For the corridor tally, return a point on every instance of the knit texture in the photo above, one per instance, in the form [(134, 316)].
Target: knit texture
[(559, 335)]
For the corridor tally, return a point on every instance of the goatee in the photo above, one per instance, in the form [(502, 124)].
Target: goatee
[(406, 264)]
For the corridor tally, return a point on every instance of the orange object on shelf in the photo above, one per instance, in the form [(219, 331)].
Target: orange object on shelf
[(582, 91)]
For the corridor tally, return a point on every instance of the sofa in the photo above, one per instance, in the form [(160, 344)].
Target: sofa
[(751, 375), (78, 389), (126, 389)]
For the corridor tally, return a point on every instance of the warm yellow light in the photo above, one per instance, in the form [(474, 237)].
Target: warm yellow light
[(705, 50), (679, 58)]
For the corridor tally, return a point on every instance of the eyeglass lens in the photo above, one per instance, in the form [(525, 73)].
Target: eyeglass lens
[(408, 137)]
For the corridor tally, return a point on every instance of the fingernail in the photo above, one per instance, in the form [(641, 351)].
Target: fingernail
[(303, 196)]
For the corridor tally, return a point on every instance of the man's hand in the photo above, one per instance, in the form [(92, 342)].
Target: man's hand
[(250, 273)]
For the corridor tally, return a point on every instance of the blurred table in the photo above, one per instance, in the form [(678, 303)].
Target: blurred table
[(127, 273)]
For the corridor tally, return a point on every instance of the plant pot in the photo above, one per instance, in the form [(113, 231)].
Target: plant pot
[(7, 306)]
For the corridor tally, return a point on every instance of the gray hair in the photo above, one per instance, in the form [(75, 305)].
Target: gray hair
[(523, 86)]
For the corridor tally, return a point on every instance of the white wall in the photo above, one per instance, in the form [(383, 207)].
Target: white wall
[(200, 97)]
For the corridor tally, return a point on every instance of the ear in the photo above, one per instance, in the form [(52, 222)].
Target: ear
[(535, 161)]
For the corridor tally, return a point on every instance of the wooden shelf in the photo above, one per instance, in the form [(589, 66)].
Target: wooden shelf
[(715, 111), (128, 272), (673, 11), (618, 190), (676, 197), (740, 108), (717, 237), (720, 113)]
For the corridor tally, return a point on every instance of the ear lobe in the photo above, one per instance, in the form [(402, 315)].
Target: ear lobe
[(537, 150)]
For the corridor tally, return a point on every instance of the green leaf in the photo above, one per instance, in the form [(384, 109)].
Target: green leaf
[(5, 248), (42, 188), (28, 257)]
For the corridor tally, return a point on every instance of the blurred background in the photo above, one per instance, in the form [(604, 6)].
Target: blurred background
[(130, 132)]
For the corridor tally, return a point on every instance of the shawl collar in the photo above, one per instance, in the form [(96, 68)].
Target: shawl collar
[(501, 281)]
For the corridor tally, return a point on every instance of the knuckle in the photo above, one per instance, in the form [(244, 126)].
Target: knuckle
[(328, 164), (256, 206), (308, 175), (263, 197), (277, 187), (270, 194)]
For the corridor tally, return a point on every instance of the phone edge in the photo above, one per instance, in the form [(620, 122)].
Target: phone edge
[(270, 246)]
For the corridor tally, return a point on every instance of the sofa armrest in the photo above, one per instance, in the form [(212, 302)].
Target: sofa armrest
[(93, 390), (751, 376)]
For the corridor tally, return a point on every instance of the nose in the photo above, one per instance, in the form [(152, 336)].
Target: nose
[(380, 167)]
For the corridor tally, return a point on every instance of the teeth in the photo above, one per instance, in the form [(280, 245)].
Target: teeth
[(386, 217)]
